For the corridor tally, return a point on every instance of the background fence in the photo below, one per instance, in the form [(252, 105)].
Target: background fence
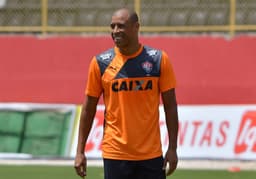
[(78, 16)]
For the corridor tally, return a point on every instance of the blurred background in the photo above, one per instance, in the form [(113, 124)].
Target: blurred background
[(46, 47), (228, 17)]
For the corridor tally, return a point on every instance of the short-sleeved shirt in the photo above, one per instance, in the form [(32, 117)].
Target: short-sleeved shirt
[(131, 87)]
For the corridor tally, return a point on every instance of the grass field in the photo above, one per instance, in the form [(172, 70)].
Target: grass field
[(67, 172)]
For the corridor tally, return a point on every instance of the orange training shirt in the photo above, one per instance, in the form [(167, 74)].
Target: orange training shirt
[(131, 87)]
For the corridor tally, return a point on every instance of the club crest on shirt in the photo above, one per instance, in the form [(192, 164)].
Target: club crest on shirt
[(147, 66)]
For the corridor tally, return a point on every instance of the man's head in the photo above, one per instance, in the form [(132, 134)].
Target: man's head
[(124, 28)]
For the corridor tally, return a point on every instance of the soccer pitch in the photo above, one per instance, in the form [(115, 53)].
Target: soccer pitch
[(67, 172)]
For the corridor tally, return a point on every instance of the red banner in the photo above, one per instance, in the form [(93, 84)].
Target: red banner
[(209, 70)]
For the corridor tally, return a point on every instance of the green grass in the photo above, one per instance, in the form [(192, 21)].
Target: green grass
[(67, 172)]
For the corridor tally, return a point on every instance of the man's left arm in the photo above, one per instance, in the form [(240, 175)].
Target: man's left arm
[(171, 116)]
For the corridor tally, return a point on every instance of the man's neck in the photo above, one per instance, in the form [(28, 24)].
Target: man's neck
[(130, 50)]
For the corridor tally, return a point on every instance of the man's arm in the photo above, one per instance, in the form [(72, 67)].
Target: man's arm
[(86, 119), (171, 116)]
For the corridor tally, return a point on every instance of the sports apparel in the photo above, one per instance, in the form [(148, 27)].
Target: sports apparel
[(127, 169), (131, 87)]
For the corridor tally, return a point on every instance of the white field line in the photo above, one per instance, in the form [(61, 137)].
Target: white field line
[(183, 164)]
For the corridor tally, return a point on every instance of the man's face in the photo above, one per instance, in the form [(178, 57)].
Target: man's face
[(122, 30)]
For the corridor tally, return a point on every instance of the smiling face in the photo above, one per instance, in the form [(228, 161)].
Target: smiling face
[(124, 29)]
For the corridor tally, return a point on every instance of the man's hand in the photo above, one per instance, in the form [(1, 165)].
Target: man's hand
[(80, 165), (171, 158)]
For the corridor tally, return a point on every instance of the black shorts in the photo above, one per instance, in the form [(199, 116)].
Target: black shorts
[(126, 169)]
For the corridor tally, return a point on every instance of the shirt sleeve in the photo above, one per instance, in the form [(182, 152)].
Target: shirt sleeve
[(94, 85), (167, 77)]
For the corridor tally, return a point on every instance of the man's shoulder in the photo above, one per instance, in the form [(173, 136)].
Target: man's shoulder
[(106, 56), (150, 48), (104, 59), (152, 52)]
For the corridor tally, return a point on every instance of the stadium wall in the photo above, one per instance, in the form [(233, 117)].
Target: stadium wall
[(216, 92), (209, 70)]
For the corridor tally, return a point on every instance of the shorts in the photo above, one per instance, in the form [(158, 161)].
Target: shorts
[(127, 169)]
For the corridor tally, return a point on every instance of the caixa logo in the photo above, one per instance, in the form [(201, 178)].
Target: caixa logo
[(246, 137)]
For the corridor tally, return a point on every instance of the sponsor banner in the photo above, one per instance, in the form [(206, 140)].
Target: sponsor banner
[(209, 131), (225, 132)]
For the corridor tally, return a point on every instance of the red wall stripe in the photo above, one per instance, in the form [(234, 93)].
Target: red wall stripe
[(209, 70)]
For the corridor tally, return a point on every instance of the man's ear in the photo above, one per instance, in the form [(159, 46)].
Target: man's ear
[(137, 25)]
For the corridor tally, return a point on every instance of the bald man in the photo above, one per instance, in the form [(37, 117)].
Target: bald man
[(131, 77)]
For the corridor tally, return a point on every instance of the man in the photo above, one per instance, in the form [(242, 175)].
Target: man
[(131, 78)]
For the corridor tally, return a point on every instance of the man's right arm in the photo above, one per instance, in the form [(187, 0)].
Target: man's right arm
[(86, 119)]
